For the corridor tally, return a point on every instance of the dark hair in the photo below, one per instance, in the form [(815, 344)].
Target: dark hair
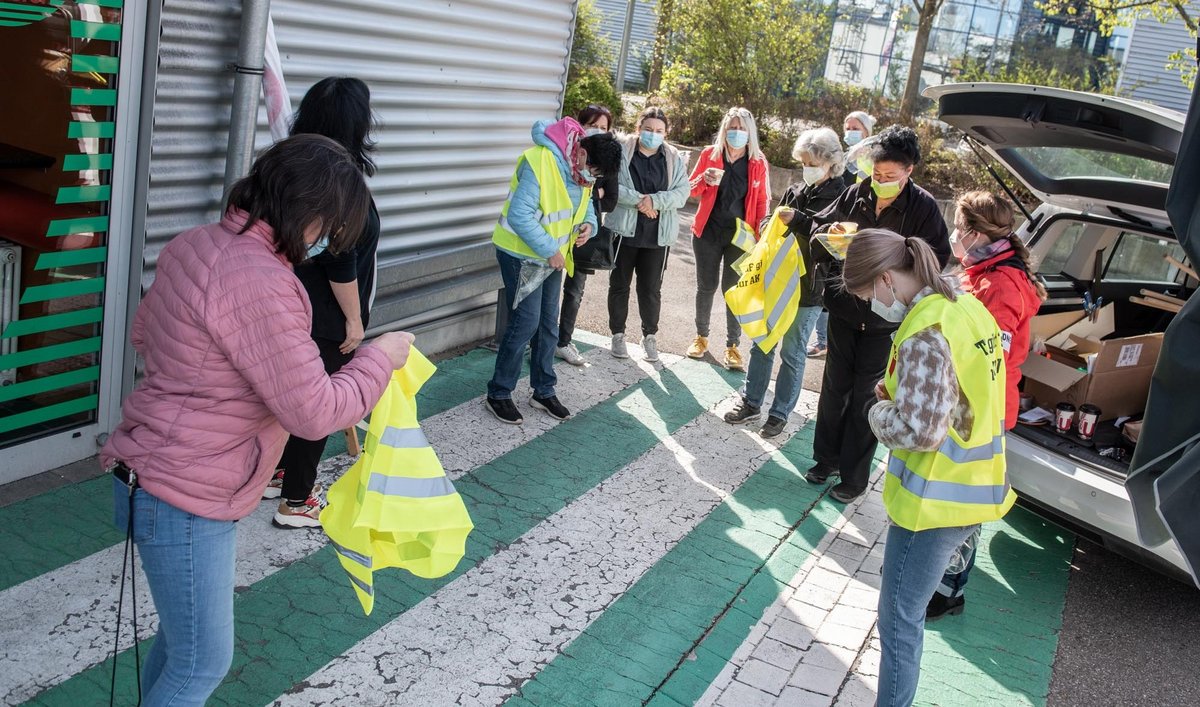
[(656, 113), (603, 152), (299, 181), (875, 250), (896, 143), (592, 111), (339, 108), (986, 213)]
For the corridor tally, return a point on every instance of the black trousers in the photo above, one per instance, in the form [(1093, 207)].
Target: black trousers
[(572, 299), (710, 254), (854, 364), (301, 456), (649, 264)]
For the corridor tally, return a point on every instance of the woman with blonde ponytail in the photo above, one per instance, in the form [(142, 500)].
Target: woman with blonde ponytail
[(940, 410)]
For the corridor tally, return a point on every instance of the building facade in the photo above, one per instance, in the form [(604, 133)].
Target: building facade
[(118, 142)]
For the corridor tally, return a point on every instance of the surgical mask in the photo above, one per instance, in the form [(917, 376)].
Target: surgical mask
[(813, 175), (894, 312), (588, 132), (737, 139), (588, 178), (852, 137), (319, 247), (651, 141), (886, 190)]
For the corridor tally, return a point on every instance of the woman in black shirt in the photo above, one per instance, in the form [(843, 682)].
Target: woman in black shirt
[(859, 340), (340, 286)]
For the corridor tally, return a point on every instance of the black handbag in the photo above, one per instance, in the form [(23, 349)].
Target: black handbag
[(599, 253)]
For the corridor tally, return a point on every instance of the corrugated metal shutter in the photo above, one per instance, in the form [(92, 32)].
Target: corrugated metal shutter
[(456, 86), (1143, 76), (641, 37)]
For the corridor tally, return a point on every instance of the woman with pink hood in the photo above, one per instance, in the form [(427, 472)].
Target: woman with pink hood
[(548, 211)]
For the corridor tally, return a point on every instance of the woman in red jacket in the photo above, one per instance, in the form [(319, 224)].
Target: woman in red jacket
[(999, 273), (732, 181)]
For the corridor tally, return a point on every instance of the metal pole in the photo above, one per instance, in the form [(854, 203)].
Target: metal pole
[(624, 57), (247, 85)]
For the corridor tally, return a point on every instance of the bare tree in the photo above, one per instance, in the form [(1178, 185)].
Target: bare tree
[(927, 11)]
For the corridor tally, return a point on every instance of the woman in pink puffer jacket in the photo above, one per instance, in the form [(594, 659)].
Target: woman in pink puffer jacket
[(230, 370)]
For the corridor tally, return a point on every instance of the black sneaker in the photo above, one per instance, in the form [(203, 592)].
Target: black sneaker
[(843, 493), (551, 405), (773, 427), (505, 411), (743, 413), (819, 473), (941, 605)]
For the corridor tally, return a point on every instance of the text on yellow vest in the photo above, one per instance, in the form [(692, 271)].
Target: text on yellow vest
[(964, 481)]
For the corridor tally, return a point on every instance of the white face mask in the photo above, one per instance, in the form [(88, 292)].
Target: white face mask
[(588, 132), (814, 175), (894, 312)]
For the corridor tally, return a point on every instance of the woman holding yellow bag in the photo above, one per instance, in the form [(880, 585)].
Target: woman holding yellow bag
[(821, 154)]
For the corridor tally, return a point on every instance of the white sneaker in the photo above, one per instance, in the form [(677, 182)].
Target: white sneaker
[(570, 354), (619, 350), (650, 344)]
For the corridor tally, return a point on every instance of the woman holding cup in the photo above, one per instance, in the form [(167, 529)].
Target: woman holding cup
[(732, 181), (859, 338)]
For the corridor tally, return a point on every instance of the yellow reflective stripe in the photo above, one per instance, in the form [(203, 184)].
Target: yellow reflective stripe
[(914, 483)]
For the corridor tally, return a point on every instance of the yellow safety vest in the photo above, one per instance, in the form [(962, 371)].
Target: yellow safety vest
[(766, 298), (395, 507), (559, 216), (963, 482)]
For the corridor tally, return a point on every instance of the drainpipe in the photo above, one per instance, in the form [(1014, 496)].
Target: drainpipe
[(247, 85)]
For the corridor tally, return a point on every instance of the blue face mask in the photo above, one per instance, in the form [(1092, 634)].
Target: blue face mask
[(651, 141), (319, 247), (737, 139), (852, 137), (588, 178)]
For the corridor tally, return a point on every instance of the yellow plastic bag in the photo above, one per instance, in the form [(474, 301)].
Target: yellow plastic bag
[(766, 298), (395, 507)]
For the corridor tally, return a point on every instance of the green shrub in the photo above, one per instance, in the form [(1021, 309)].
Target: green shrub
[(592, 85)]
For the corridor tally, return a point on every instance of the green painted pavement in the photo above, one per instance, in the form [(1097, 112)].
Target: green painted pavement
[(702, 598), (295, 621), (1001, 650), (42, 536)]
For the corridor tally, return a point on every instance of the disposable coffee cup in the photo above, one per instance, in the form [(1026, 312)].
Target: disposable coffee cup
[(1089, 415), (1064, 418), (1026, 402), (716, 174)]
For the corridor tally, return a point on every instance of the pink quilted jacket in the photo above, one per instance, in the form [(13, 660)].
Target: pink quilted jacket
[(230, 371)]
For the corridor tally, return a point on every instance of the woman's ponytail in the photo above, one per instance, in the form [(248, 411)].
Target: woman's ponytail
[(925, 267), (1022, 252)]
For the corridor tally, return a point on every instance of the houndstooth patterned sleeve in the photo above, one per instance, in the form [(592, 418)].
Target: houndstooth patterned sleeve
[(927, 395)]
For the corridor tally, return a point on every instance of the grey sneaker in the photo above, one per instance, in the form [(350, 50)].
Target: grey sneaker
[(650, 344), (772, 427), (570, 354), (619, 349)]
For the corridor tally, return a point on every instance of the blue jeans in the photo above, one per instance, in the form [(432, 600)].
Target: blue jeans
[(793, 354), (821, 329), (534, 322), (954, 583), (913, 563), (189, 564)]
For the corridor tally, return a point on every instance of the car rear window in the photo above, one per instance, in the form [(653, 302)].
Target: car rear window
[(1071, 162), (1140, 257)]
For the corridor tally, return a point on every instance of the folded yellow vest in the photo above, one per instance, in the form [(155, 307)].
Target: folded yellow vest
[(395, 507)]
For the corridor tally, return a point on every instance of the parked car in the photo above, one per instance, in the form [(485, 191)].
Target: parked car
[(1100, 166)]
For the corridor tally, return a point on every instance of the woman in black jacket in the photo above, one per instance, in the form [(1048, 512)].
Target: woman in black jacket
[(594, 119), (859, 339), (340, 287), (820, 152)]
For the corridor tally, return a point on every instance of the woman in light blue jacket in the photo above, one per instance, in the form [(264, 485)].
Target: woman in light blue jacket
[(654, 185)]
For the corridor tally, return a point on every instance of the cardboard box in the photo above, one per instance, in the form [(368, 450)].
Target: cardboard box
[(1081, 367)]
